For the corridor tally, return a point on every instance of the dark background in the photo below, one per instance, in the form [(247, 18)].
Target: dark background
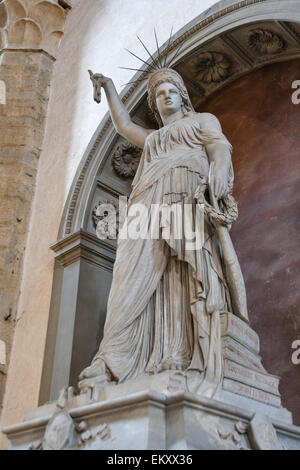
[(263, 125)]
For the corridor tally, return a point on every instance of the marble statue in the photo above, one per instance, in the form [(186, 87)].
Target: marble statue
[(167, 294), (178, 366)]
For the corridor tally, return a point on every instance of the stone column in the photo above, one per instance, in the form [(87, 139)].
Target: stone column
[(87, 265), (30, 32)]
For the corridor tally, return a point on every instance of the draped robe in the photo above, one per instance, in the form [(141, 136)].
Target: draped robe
[(164, 294)]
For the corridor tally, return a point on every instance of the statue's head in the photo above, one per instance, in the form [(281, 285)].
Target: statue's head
[(164, 81)]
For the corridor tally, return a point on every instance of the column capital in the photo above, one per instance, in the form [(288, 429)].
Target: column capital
[(32, 24), (82, 245)]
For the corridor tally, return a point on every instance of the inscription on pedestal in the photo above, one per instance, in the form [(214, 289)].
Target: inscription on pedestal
[(250, 392), (240, 331), (255, 379), (238, 353)]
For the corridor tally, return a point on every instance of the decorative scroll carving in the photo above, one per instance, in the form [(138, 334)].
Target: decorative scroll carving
[(32, 24), (211, 67), (233, 438), (105, 217), (89, 436), (266, 42), (126, 159)]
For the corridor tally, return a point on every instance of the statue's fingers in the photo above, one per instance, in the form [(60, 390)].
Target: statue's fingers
[(99, 76)]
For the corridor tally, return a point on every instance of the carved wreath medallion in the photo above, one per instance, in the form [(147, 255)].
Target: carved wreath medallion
[(126, 160)]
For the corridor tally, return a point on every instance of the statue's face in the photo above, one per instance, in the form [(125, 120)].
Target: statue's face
[(168, 99)]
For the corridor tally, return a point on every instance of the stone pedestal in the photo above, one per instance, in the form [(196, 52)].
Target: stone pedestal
[(152, 420), (245, 381), (161, 412)]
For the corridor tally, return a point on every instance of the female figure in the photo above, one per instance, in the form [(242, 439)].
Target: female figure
[(166, 295)]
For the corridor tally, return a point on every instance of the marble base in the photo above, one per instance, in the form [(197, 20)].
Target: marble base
[(149, 420), (129, 417), (168, 411)]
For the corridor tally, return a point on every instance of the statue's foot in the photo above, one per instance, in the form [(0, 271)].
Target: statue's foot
[(94, 375), (96, 369)]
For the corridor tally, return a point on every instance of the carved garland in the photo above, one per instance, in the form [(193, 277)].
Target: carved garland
[(126, 159)]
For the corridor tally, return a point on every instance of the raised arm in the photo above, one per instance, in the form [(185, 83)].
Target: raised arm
[(120, 116)]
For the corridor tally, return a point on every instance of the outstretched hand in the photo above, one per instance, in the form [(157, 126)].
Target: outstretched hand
[(98, 81)]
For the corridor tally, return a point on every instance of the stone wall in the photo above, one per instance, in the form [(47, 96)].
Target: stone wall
[(27, 76), (29, 37)]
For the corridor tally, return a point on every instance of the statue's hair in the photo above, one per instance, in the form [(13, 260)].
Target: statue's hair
[(166, 75)]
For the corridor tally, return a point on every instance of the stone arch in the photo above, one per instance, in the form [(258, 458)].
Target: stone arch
[(77, 241), (218, 20)]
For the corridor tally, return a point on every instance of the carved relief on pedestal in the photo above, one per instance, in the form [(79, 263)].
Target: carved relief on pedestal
[(232, 438), (126, 159), (264, 41), (211, 67), (32, 24), (89, 436)]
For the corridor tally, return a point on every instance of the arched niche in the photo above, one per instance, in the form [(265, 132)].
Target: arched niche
[(233, 33)]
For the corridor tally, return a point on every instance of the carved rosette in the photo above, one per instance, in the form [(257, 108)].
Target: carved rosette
[(126, 159), (105, 216), (211, 67), (266, 42)]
